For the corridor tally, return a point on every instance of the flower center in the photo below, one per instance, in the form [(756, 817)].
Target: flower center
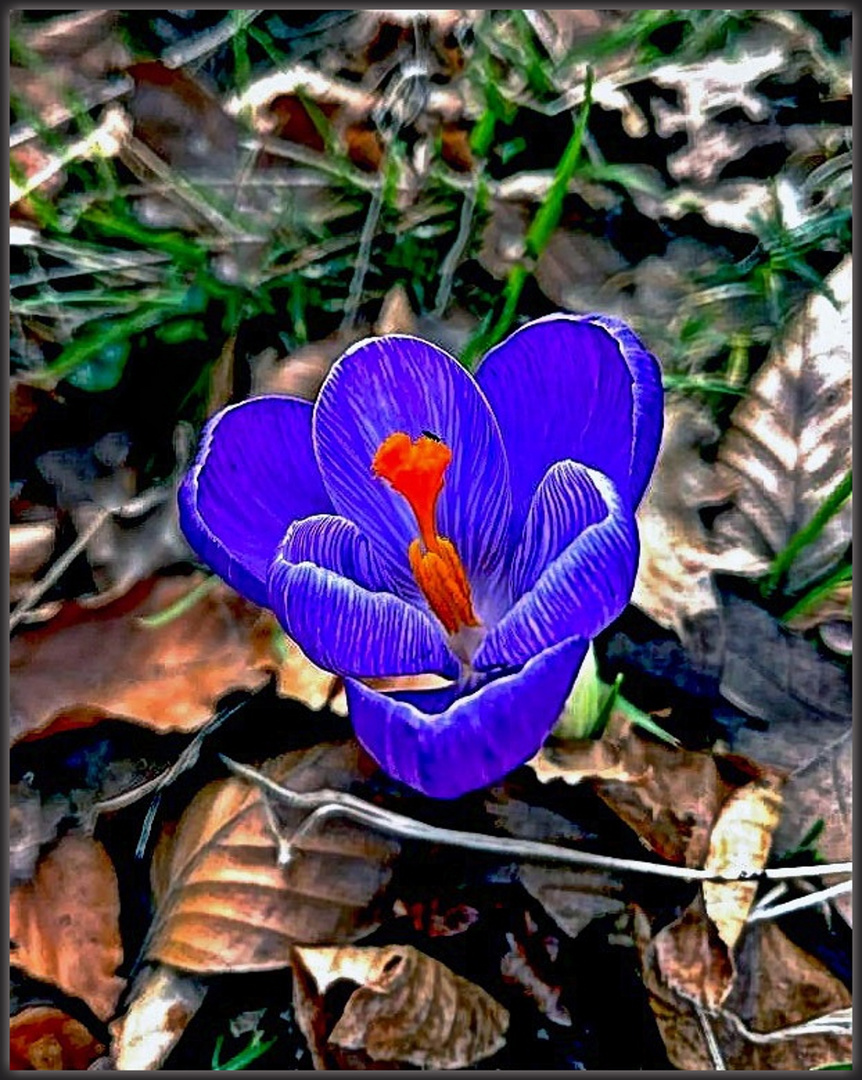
[(415, 470)]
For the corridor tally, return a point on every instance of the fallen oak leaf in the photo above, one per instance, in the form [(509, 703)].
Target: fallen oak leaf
[(224, 899), (65, 923), (409, 1008)]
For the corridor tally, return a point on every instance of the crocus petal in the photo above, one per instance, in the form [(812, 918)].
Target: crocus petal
[(351, 630), (579, 387), (477, 739), (254, 473), (583, 587), (333, 543), (399, 383)]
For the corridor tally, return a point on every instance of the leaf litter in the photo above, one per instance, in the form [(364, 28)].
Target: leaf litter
[(242, 880)]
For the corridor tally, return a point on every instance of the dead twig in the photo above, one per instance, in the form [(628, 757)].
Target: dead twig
[(326, 803)]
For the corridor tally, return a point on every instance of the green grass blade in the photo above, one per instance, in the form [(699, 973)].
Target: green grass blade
[(813, 597), (807, 534)]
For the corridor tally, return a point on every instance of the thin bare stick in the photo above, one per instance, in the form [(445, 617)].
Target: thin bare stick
[(399, 825), (453, 255), (772, 911), (59, 114), (187, 758), (210, 40), (35, 594), (839, 1022), (709, 1037), (363, 260)]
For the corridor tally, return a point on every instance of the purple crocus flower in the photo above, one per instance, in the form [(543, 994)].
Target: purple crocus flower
[(419, 520)]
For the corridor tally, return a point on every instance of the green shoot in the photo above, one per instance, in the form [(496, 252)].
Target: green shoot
[(255, 1049)]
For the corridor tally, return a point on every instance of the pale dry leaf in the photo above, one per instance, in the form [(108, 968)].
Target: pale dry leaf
[(789, 444), (224, 902), (296, 676), (30, 547), (44, 1038), (409, 1008), (65, 923), (740, 841), (674, 583), (84, 659), (161, 1004)]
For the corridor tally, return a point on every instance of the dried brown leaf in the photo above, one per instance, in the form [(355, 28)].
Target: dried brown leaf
[(741, 840), (105, 662), (820, 788), (525, 966), (42, 1037), (409, 1008), (65, 923), (669, 796), (789, 444), (225, 902), (777, 675), (162, 1002), (572, 897), (778, 986), (692, 958)]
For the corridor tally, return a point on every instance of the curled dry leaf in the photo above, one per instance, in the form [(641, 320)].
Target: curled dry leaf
[(693, 959), (65, 924), (42, 1037), (162, 1002), (789, 445), (224, 901), (409, 1008), (740, 841)]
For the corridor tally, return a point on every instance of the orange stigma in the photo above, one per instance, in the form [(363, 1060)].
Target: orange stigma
[(415, 470)]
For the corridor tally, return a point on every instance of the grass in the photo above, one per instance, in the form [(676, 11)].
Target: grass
[(115, 288)]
